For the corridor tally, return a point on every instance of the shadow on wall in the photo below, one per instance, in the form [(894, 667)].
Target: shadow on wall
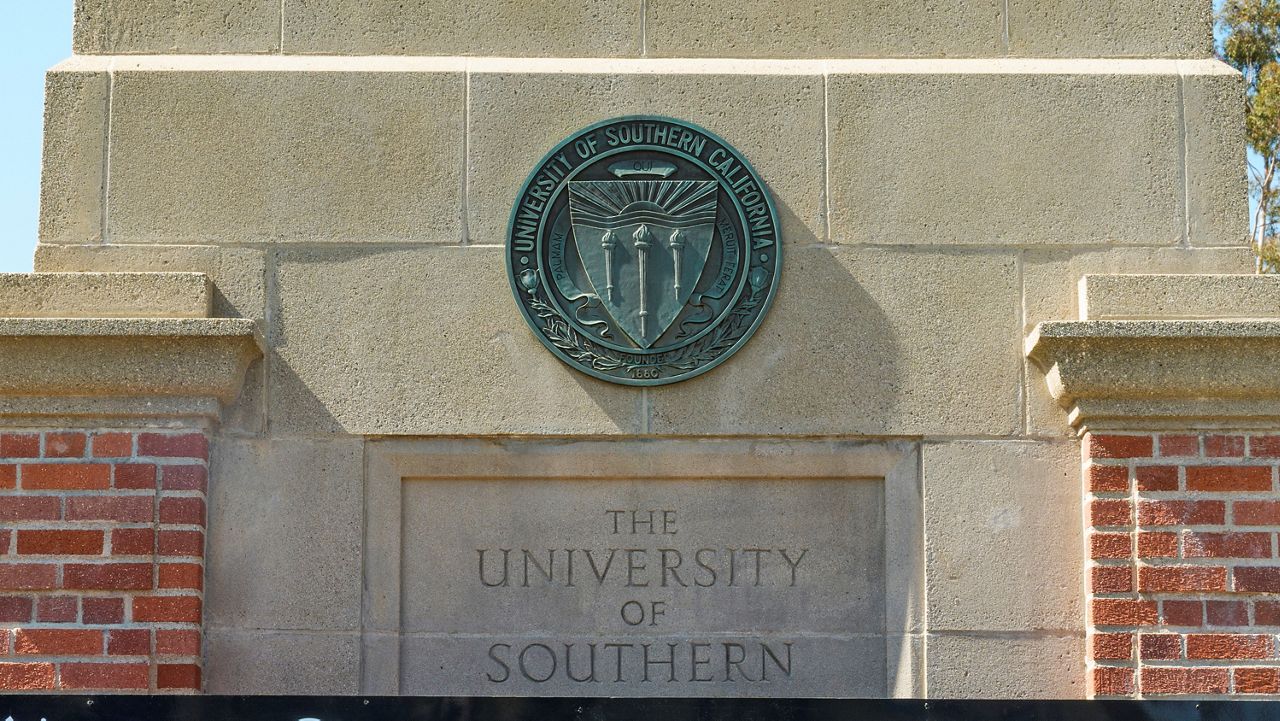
[(824, 361), (427, 340)]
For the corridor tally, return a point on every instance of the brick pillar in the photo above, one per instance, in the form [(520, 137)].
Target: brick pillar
[(102, 559), (1184, 587)]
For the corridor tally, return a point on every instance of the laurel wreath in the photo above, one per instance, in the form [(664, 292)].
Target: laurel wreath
[(563, 336)]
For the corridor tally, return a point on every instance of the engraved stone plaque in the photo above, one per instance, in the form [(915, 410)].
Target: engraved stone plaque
[(568, 587)]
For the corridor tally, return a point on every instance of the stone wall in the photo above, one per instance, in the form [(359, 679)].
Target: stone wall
[(657, 28), (342, 172), (102, 559)]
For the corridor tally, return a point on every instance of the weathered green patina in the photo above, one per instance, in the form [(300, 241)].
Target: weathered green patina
[(644, 250)]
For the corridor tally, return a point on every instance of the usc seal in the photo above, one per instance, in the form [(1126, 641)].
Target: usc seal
[(644, 251)]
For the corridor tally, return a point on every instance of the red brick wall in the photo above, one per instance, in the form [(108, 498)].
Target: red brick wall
[(102, 559), (1184, 586)]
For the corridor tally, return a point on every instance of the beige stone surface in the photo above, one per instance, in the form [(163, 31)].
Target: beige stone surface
[(1188, 297), (423, 498), (1217, 181), (239, 291), (1006, 666), (104, 295), (285, 534), (164, 26), (868, 341), (1003, 539), (511, 28), (288, 156), (850, 668), (1068, 158), (1111, 28), (1052, 276), (238, 275), (71, 182), (835, 587), (817, 29), (273, 663), (831, 609), (422, 341), (191, 357), (1050, 292), (1117, 373), (775, 121)]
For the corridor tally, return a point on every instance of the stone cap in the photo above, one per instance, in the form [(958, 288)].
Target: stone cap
[(1166, 351), (105, 295), (135, 367), (1138, 297)]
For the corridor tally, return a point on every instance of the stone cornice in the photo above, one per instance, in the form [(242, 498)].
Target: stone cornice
[(116, 367), (1162, 373)]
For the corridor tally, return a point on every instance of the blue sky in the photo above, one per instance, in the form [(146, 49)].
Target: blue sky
[(34, 36)]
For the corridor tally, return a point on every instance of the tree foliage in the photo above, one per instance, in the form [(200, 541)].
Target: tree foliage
[(1251, 43)]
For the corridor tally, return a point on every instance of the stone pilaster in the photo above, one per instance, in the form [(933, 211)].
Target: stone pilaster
[(1178, 402), (104, 450)]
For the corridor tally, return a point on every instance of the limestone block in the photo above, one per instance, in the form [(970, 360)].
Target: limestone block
[(1110, 28), (1006, 158), (422, 341), (774, 120), (868, 341), (238, 274), (1002, 530), (1138, 374), (239, 291), (1217, 181), (285, 534), (1050, 292), (163, 26), (130, 357), (281, 663), (511, 28), (240, 156), (75, 127), (104, 295), (1189, 297), (817, 29), (1006, 666)]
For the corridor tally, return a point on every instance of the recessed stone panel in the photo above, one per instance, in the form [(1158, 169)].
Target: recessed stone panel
[(727, 588)]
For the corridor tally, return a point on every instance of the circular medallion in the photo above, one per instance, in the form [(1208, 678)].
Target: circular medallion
[(644, 251)]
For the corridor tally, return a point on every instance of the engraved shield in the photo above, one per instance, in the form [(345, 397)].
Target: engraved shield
[(644, 245)]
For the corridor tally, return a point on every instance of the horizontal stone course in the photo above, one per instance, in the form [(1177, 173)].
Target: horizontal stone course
[(270, 167), (104, 295), (159, 26), (902, 147), (1139, 297), (754, 28), (312, 156)]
